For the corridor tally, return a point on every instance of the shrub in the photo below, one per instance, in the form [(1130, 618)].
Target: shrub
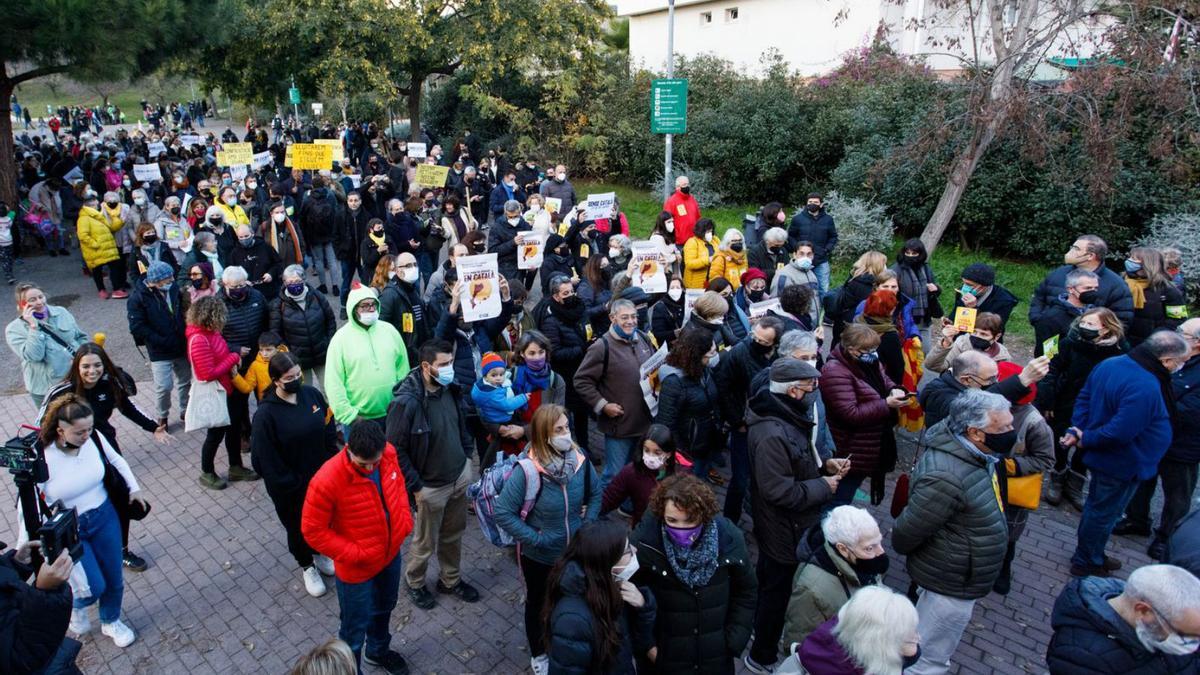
[(704, 188), (1180, 231), (862, 226)]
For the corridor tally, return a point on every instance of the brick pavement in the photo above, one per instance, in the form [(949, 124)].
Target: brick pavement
[(222, 594)]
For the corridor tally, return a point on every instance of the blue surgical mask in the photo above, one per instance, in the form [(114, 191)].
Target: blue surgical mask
[(1132, 266), (967, 290), (445, 375)]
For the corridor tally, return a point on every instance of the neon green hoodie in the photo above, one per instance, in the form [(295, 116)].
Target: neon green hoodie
[(363, 364)]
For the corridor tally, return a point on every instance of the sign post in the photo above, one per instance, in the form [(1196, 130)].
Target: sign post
[(294, 97), (667, 180)]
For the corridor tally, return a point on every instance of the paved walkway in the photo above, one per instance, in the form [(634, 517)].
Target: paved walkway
[(222, 594)]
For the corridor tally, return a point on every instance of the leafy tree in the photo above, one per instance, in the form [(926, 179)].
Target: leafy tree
[(89, 41)]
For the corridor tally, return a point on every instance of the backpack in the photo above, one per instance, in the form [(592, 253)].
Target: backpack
[(485, 491)]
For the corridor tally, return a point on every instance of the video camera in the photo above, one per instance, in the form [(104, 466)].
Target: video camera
[(19, 456), (61, 533)]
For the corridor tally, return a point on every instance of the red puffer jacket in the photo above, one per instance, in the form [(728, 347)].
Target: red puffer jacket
[(858, 415), (210, 356), (344, 515)]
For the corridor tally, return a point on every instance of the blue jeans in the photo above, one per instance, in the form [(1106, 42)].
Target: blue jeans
[(616, 455), (366, 609), (100, 535), (739, 466), (325, 263), (348, 270), (822, 272), (426, 263), (1106, 501)]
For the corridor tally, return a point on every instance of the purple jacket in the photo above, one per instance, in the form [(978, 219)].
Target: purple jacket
[(821, 654)]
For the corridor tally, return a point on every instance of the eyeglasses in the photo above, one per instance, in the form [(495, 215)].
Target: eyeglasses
[(367, 304)]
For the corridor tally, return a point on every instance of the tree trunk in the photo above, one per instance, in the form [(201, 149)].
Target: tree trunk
[(8, 168), (414, 108)]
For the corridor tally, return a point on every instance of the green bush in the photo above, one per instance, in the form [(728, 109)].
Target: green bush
[(861, 225)]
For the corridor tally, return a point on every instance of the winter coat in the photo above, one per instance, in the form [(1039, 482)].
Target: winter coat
[(937, 396), (502, 241), (247, 319), (557, 512), (305, 330), (596, 303), (787, 491), (1125, 422), (859, 416), (818, 229), (1069, 370), (685, 211), (939, 358), (1055, 320), (43, 360), (998, 301), (139, 261), (1165, 307), (554, 265), (619, 382), (552, 189), (500, 194), (174, 233), (289, 442), (1090, 637), (953, 529), (822, 654), (318, 216), (157, 323), (210, 356), (96, 237), (33, 622), (362, 365), (258, 260), (733, 374), (666, 319), (1183, 549), (400, 305), (469, 348), (1185, 436), (635, 483), (790, 274), (1112, 293), (690, 409), (408, 427), (822, 584), (370, 255), (730, 265), (699, 630), (697, 261), (350, 518), (762, 258), (571, 644)]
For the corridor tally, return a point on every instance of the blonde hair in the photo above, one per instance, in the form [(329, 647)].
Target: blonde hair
[(710, 305), (873, 627), (871, 262), (541, 430), (332, 658)]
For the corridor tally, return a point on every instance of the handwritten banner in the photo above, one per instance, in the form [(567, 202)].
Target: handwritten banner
[(312, 156), (233, 154), (432, 176), (339, 153), (147, 173)]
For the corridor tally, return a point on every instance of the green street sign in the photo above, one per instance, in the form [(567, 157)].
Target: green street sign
[(294, 96), (668, 106)]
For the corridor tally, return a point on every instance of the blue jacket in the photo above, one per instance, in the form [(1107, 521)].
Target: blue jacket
[(469, 351), (501, 194), (1185, 443), (496, 404), (1125, 423), (557, 513), (906, 306)]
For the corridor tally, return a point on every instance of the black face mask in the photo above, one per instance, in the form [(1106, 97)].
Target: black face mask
[(813, 208), (1088, 334), (910, 661), (871, 567), (686, 189), (1001, 444), (756, 296), (572, 302), (980, 344), (1089, 297), (292, 387), (761, 349)]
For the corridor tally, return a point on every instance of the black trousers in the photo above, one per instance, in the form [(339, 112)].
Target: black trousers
[(288, 506), (239, 413), (536, 575), (116, 275), (1179, 482), (774, 591)]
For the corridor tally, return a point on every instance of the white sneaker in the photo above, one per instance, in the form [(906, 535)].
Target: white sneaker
[(313, 582), (122, 635), (325, 565), (540, 665), (80, 623)]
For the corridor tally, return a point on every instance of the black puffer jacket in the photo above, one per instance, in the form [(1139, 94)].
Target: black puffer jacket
[(502, 241), (400, 305), (247, 320), (305, 330), (153, 324), (737, 368), (690, 409), (666, 318), (953, 529), (568, 341), (817, 228), (258, 260), (1069, 370), (699, 630), (33, 622), (786, 487), (571, 645), (1165, 307), (1112, 293), (1090, 637)]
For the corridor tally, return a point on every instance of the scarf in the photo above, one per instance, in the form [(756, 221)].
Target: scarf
[(379, 240), (913, 283), (694, 566), (1137, 288), (1142, 356), (529, 380), (562, 468), (273, 240), (881, 325)]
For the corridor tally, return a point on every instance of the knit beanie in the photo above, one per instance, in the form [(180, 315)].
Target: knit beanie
[(984, 275), (491, 360), (158, 271)]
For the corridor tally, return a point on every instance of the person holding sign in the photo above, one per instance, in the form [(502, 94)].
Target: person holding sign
[(505, 236), (985, 337), (558, 187), (980, 292), (1056, 318)]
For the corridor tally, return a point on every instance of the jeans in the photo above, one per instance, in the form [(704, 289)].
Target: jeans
[(1106, 501), (774, 591), (175, 373), (366, 609), (100, 535), (739, 481), (438, 524), (426, 263), (348, 270), (822, 272), (941, 621), (535, 575), (324, 261), (1179, 482), (616, 455), (288, 506)]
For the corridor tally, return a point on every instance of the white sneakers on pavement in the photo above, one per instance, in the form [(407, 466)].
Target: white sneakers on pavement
[(122, 635), (325, 565), (80, 623), (313, 582)]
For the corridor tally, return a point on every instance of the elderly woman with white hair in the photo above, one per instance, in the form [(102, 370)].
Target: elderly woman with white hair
[(875, 633), (770, 255), (620, 251), (305, 321), (842, 555), (172, 227), (729, 262)]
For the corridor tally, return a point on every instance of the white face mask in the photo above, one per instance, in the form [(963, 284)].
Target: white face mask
[(562, 443), (561, 176), (614, 253), (712, 362), (630, 569), (514, 221), (409, 275), (675, 293), (670, 225), (368, 318), (278, 217), (654, 462), (252, 185), (140, 201), (536, 208), (1173, 644), (811, 362)]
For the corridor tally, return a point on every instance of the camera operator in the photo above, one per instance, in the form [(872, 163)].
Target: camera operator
[(33, 618)]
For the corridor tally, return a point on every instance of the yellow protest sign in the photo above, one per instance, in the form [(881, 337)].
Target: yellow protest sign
[(433, 176), (964, 319), (1050, 347), (287, 156), (339, 153), (311, 156), (235, 154)]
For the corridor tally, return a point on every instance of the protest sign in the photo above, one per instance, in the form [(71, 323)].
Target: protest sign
[(261, 159), (156, 149), (356, 180), (1050, 347), (189, 140), (553, 204), (416, 151), (531, 251), (758, 309), (238, 172), (147, 173), (649, 268), (311, 156), (480, 278), (339, 152), (649, 378), (235, 153), (964, 319), (689, 298), (599, 206), (287, 156), (430, 175)]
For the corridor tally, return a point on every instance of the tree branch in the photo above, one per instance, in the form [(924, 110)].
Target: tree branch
[(37, 72)]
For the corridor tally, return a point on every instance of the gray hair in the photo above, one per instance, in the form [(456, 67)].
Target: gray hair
[(973, 409), (203, 238), (512, 206), (620, 241), (847, 525), (619, 305), (795, 340), (293, 271), (395, 202), (1167, 344), (873, 626), (470, 171), (728, 237), (557, 281), (1170, 590), (775, 234), (968, 363), (1076, 276), (170, 200), (233, 275)]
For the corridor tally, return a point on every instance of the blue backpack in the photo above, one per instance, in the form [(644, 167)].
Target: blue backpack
[(486, 491)]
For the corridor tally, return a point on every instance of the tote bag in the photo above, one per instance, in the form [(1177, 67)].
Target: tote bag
[(206, 406)]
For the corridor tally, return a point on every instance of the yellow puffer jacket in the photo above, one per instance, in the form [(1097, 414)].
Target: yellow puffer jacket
[(729, 265), (696, 262), (96, 237), (234, 215)]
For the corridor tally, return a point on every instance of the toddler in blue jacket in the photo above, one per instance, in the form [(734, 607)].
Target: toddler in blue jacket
[(493, 395)]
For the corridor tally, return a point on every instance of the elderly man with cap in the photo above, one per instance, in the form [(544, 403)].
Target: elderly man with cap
[(980, 292), (789, 486), (156, 321)]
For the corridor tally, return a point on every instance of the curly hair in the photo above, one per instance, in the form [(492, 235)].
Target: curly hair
[(690, 494), (208, 312), (687, 354)]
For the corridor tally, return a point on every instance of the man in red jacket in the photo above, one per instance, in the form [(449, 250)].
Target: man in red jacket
[(357, 513), (683, 209)]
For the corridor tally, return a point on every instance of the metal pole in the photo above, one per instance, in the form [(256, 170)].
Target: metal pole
[(668, 182)]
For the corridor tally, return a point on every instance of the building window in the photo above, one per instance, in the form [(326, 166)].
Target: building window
[(731, 15), (705, 19)]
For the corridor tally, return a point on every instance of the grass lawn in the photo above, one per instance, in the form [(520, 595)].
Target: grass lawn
[(642, 208)]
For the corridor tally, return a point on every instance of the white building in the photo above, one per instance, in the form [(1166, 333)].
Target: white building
[(813, 35)]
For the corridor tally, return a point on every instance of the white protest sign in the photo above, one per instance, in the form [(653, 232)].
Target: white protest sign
[(238, 172), (416, 151), (480, 278), (649, 378), (599, 206), (649, 268), (189, 140), (261, 159), (156, 148), (758, 309), (531, 252), (689, 298), (356, 180), (147, 173), (318, 108)]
